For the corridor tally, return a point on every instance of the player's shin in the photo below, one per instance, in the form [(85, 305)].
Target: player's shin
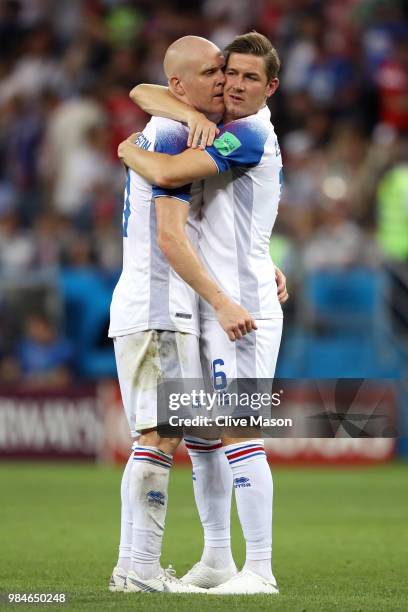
[(212, 482), (254, 493), (149, 480), (125, 545)]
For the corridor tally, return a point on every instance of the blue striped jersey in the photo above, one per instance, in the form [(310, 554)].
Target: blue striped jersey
[(239, 208), (149, 293)]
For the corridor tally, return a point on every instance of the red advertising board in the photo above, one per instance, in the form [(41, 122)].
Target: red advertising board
[(48, 424), (284, 451), (88, 423)]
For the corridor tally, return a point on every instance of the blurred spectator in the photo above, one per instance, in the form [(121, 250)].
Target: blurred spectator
[(152, 66), (42, 358), (17, 246), (66, 18), (381, 22), (86, 171), (239, 14), (392, 235), (38, 68), (392, 82), (50, 234), (302, 52), (124, 22), (303, 174), (330, 79), (108, 248), (338, 242), (66, 131), (11, 29), (222, 31), (380, 152), (392, 213), (66, 69), (124, 117)]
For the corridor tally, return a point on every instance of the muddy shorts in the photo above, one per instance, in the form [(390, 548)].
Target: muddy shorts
[(143, 360)]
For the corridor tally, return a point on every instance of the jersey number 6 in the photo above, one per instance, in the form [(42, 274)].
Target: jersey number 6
[(219, 377)]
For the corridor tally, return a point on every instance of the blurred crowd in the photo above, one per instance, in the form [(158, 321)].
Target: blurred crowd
[(66, 68)]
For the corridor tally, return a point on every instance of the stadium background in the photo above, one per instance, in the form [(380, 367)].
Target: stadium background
[(341, 114)]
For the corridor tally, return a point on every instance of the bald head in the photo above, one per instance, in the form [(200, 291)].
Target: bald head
[(194, 69), (182, 55)]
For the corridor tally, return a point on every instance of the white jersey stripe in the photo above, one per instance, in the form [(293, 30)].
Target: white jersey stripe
[(159, 279), (149, 294), (243, 206), (238, 214), (245, 350), (169, 356)]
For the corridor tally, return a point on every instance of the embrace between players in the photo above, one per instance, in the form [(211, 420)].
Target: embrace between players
[(197, 275)]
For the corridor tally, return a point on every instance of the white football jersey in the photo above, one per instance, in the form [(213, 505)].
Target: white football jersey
[(149, 294), (238, 213)]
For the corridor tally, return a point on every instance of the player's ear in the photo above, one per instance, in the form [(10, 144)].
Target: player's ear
[(176, 86), (271, 87)]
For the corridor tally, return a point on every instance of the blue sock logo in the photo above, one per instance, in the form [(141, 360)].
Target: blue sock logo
[(155, 497), (242, 481)]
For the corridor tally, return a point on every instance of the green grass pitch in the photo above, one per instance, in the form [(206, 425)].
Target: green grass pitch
[(340, 539)]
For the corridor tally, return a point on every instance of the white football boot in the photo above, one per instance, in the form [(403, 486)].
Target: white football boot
[(206, 577), (117, 580), (165, 582), (246, 583)]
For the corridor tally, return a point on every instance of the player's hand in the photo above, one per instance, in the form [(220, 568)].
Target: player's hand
[(133, 137), (234, 319), (280, 278), (123, 146), (202, 131)]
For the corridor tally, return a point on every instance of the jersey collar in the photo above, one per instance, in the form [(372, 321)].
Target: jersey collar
[(264, 113)]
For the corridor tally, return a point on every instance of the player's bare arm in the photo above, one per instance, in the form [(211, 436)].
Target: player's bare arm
[(174, 243), (158, 100), (168, 171), (172, 171)]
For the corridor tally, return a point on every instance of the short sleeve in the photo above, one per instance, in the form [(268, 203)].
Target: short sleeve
[(181, 193), (171, 138), (240, 143)]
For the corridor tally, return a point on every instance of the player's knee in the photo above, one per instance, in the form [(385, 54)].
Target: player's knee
[(152, 438), (168, 445), (206, 432), (149, 438), (235, 435)]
